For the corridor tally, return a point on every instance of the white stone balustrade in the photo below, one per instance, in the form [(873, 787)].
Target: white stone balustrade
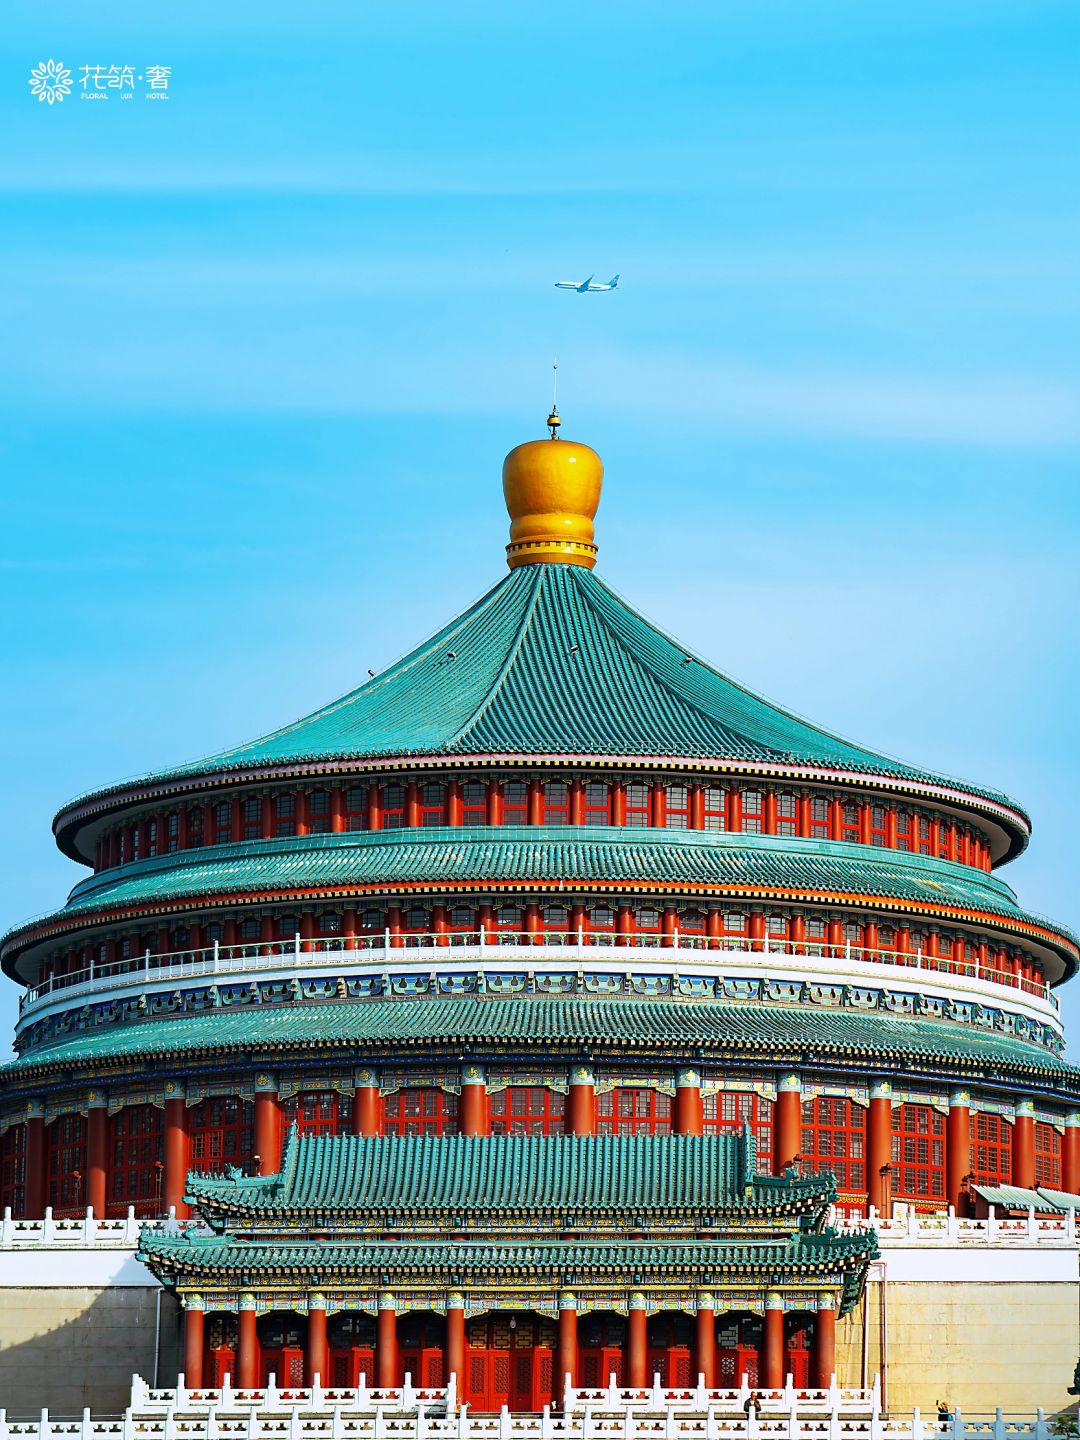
[(410, 1414), (907, 1227), (85, 1231)]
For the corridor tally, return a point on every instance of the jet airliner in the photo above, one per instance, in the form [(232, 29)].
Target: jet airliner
[(586, 287)]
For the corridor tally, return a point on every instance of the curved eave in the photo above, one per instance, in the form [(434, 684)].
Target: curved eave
[(1010, 826), (515, 860)]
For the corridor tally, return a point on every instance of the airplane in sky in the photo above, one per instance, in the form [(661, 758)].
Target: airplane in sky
[(586, 287)]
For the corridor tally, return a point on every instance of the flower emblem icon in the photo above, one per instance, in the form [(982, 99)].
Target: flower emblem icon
[(49, 81)]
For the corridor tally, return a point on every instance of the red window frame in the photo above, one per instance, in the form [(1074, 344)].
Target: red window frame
[(991, 1149), (918, 1153), (319, 812), (13, 1169), (515, 802), (925, 844), (753, 812), (137, 1148), (416, 1111), (222, 1129), (223, 823), (474, 797), (834, 1138), (285, 814), (393, 806), (527, 1110), (818, 809), (735, 924), (195, 822), (432, 804), (356, 807), (715, 799), (879, 819), (597, 798), (318, 1112), (65, 1149), (638, 804), (787, 813), (676, 807), (172, 831), (555, 802), (1047, 1156), (849, 822), (252, 818), (726, 1111), (633, 1110)]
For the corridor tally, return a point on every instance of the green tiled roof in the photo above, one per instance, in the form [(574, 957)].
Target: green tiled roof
[(499, 1173), (1011, 1197), (550, 661), (549, 854), (542, 1024), (221, 1254)]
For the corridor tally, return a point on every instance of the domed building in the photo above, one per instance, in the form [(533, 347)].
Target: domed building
[(530, 1008)]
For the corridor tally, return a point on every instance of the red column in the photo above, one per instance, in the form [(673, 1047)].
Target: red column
[(1023, 1145), (688, 1116), (697, 808), (494, 804), (957, 1148), (637, 1359), (386, 1356), (337, 810), (472, 1110), (581, 1112), (318, 1355), (176, 1154), (365, 1105), (307, 932), (1070, 1154), (787, 1131), (35, 1188), (97, 1153), (879, 1146), (193, 1344), (714, 926), (453, 802), (303, 816), (624, 923), (706, 1339), (825, 1343), (534, 813), (618, 804), (267, 1126), (576, 808), (455, 1340), (532, 925), (757, 930), (247, 1348), (568, 1343), (771, 1368), (412, 805), (658, 806), (267, 818), (374, 807)]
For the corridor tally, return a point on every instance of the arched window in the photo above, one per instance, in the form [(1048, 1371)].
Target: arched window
[(637, 804), (223, 823), (527, 1110), (515, 802), (716, 803), (597, 803), (753, 812), (252, 811), (786, 814), (319, 812), (474, 803), (819, 817), (356, 803), (677, 807), (556, 802), (393, 807), (284, 814), (172, 831)]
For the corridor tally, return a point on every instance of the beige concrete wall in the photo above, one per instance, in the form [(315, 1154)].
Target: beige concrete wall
[(65, 1349), (975, 1345)]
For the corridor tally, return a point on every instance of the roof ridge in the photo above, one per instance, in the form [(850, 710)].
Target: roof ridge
[(511, 655)]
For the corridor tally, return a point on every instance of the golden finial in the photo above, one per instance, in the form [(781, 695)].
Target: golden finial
[(553, 420)]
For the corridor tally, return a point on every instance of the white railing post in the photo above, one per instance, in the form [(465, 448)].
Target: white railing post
[(916, 1424), (1042, 1430), (1032, 1228), (86, 1429), (957, 1424), (991, 1225), (7, 1228), (481, 935), (386, 943), (48, 1231), (181, 1392), (950, 1223)]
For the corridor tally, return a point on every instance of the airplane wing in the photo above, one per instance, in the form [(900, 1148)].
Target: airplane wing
[(585, 285)]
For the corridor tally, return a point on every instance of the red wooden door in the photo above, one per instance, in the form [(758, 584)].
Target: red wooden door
[(424, 1364), (348, 1363), (222, 1363)]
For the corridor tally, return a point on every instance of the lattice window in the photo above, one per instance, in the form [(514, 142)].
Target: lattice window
[(223, 823), (753, 812), (991, 1150), (677, 807), (515, 803), (819, 818), (474, 803), (65, 1141), (222, 1132), (420, 1112), (834, 1138), (356, 807), (172, 832), (904, 822), (13, 1169), (432, 804), (556, 802), (528, 1110), (637, 805), (878, 815), (628, 1110), (727, 1111), (317, 1112), (319, 812), (285, 815), (138, 1154), (786, 814), (597, 803), (393, 807), (195, 827), (252, 817), (1047, 1156), (918, 1153), (849, 823)]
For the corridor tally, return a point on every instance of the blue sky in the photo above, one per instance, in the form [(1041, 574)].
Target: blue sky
[(263, 346)]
